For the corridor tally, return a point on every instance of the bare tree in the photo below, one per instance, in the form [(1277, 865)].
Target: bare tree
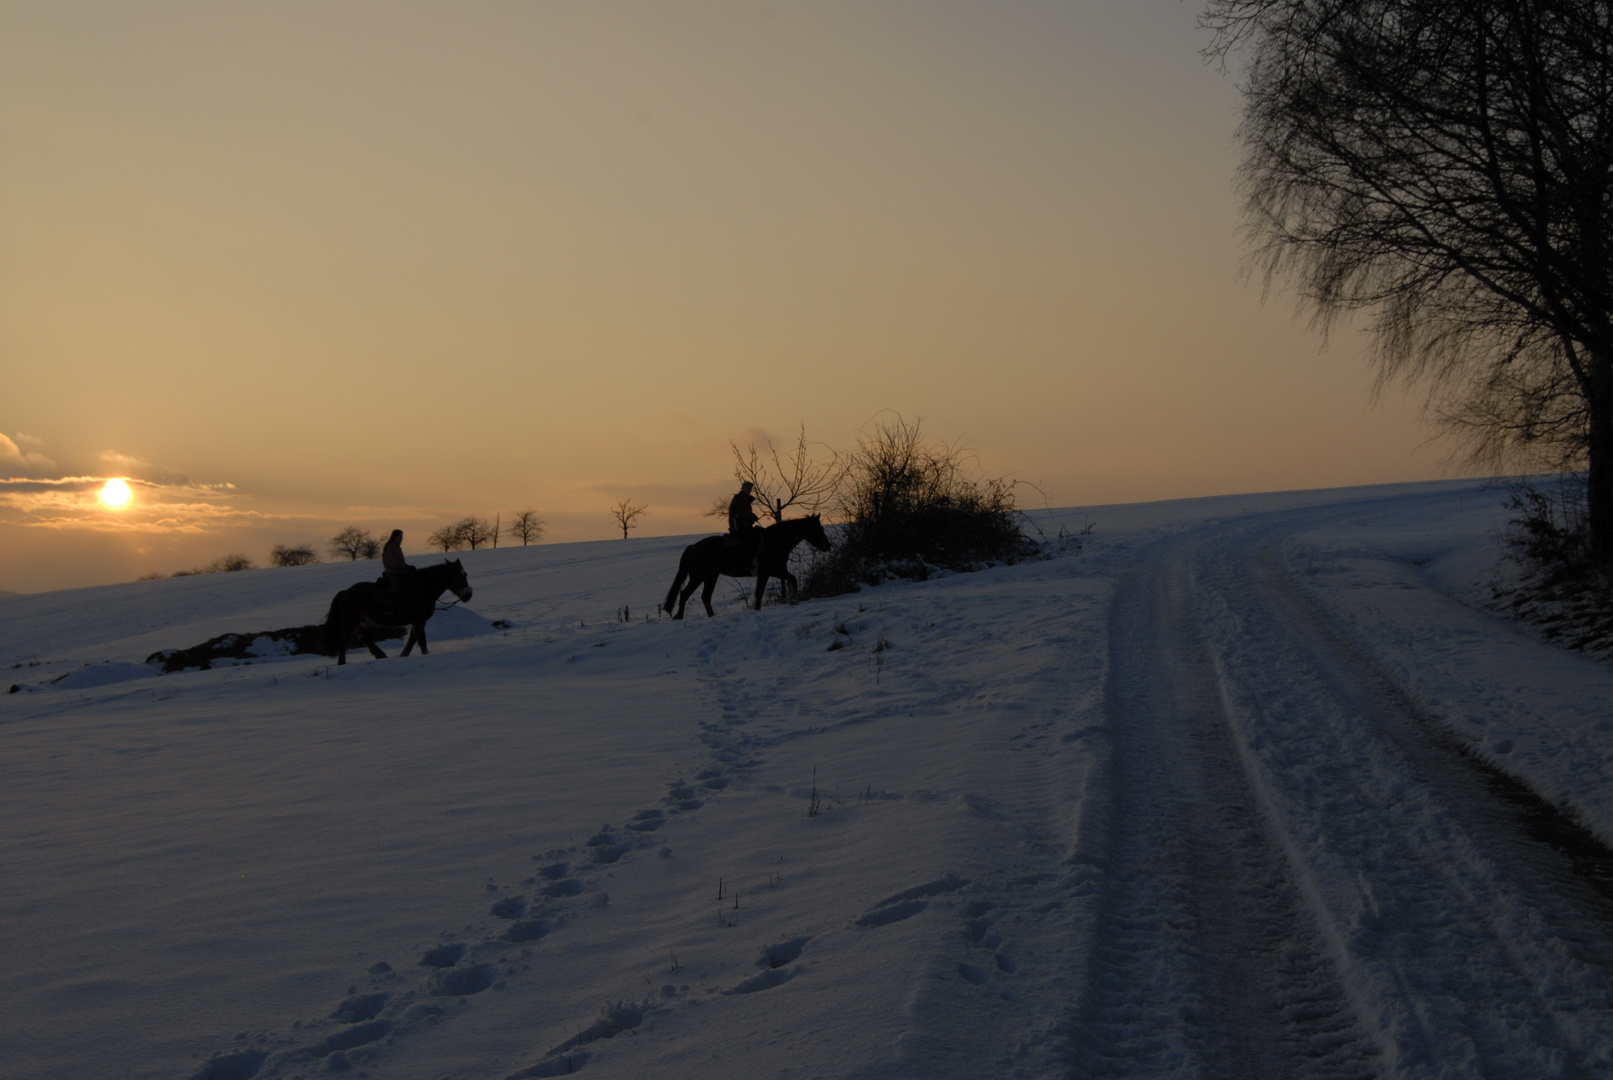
[(447, 538), (467, 532), (1447, 165), (497, 528), (808, 477), (475, 532), (527, 525), (626, 513), (354, 542), (293, 555)]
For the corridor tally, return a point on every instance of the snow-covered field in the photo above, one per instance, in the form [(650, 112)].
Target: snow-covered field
[(1221, 794)]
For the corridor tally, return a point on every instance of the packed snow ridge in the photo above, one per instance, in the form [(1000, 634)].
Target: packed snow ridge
[(1243, 787)]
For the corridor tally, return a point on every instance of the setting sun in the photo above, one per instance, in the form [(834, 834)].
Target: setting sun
[(115, 494)]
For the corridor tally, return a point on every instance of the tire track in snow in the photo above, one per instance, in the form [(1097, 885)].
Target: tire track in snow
[(1476, 948), (1205, 961)]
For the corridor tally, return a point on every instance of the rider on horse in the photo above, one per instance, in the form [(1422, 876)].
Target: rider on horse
[(393, 565), (743, 532)]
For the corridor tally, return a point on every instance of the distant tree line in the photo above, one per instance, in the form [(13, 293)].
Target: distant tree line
[(475, 532), (354, 543), (221, 565), (467, 533)]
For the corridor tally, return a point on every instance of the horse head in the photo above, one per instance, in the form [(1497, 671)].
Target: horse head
[(815, 534), (458, 583)]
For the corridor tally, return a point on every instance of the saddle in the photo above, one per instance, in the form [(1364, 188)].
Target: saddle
[(388, 599), (748, 546)]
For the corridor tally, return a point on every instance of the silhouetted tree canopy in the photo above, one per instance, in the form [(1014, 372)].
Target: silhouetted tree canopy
[(1447, 166)]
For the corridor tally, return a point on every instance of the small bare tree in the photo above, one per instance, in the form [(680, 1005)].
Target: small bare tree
[(626, 513), (467, 532), (497, 528), (527, 525), (474, 531), (808, 477), (355, 543), (293, 555), (447, 538)]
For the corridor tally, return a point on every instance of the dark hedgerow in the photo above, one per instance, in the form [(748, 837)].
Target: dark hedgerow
[(1559, 589), (911, 507)]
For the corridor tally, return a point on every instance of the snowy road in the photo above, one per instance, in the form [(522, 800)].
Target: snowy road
[(1248, 787), (1308, 869), (1206, 961)]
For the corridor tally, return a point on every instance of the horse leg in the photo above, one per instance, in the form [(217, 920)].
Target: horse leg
[(683, 601), (335, 644), (416, 636), (761, 586), (677, 583), (791, 588), (705, 596), (369, 642)]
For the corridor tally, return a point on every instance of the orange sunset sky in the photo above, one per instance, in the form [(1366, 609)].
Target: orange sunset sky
[(286, 267)]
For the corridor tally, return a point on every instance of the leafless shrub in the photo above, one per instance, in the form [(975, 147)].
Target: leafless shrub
[(807, 477), (912, 506), (1558, 588), (293, 555)]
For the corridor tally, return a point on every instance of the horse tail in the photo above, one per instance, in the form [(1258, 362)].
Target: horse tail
[(333, 626), (672, 594)]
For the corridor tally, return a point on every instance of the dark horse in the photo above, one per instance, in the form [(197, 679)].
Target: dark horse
[(705, 559), (370, 604)]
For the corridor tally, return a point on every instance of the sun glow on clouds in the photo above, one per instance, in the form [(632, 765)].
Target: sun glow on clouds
[(115, 494), (176, 504)]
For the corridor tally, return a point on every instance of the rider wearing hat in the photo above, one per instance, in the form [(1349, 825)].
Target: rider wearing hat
[(743, 532)]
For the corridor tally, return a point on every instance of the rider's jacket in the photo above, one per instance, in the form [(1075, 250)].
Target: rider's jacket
[(740, 514), (392, 560)]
